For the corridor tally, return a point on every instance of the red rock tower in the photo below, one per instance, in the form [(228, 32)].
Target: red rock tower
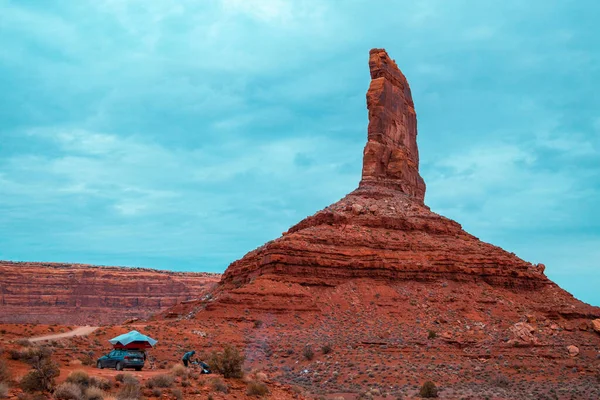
[(391, 156), (383, 230)]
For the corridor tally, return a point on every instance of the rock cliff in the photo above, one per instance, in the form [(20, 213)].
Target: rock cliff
[(85, 294)]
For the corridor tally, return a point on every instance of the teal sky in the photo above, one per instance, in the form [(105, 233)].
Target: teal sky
[(182, 134)]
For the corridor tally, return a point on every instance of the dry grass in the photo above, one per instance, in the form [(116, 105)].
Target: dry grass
[(256, 388), (68, 391), (160, 381), (3, 390), (94, 393), (179, 370), (4, 372), (79, 377)]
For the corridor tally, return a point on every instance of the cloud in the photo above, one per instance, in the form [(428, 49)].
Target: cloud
[(195, 131)]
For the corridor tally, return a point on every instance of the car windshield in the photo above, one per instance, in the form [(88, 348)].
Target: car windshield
[(134, 353)]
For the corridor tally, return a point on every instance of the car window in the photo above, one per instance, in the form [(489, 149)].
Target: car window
[(112, 353)]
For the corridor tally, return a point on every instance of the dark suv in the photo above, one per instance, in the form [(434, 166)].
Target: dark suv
[(119, 359)]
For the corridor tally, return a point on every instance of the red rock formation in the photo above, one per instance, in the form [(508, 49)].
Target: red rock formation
[(77, 294), (391, 156), (383, 230)]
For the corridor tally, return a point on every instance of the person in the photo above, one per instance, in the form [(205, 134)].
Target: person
[(187, 357)]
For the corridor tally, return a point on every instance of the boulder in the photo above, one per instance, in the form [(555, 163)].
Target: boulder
[(596, 325), (573, 350)]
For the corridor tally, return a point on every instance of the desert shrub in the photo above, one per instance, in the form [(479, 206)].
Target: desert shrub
[(31, 382), (41, 378), (185, 383), (177, 394), (87, 360), (160, 381), (308, 352), (156, 392), (131, 388), (431, 335), (501, 381), (4, 372), (79, 377), (326, 349), (128, 378), (258, 323), (100, 383), (14, 354), (219, 386), (94, 393), (24, 342), (229, 362), (119, 377), (428, 390), (3, 390), (68, 391), (179, 370), (256, 388)]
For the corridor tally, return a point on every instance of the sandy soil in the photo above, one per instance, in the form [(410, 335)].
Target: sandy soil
[(80, 331)]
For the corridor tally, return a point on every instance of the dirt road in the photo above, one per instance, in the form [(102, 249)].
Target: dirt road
[(80, 331)]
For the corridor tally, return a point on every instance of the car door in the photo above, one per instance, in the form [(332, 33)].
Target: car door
[(113, 358)]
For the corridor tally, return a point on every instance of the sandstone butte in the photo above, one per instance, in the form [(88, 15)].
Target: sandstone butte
[(400, 293), (383, 230), (85, 294)]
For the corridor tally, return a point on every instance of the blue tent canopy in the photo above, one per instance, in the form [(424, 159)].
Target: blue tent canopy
[(133, 340)]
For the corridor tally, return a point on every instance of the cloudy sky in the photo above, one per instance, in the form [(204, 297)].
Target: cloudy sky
[(182, 134)]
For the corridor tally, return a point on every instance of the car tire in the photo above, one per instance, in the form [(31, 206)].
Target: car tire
[(99, 365), (119, 367)]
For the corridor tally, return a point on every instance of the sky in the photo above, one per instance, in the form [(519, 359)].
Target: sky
[(182, 134)]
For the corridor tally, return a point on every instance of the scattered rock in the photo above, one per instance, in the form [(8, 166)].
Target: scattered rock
[(524, 332), (573, 350), (596, 325), (357, 208)]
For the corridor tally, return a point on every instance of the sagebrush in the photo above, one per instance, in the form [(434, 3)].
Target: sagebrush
[(229, 362)]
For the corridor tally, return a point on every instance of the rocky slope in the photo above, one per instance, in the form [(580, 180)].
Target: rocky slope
[(85, 294), (399, 293)]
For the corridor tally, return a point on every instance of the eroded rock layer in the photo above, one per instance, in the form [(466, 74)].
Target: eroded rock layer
[(84, 294)]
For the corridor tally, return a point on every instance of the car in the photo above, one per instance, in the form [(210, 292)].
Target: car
[(121, 359)]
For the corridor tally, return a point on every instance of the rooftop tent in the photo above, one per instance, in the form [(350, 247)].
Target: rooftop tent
[(133, 340)]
